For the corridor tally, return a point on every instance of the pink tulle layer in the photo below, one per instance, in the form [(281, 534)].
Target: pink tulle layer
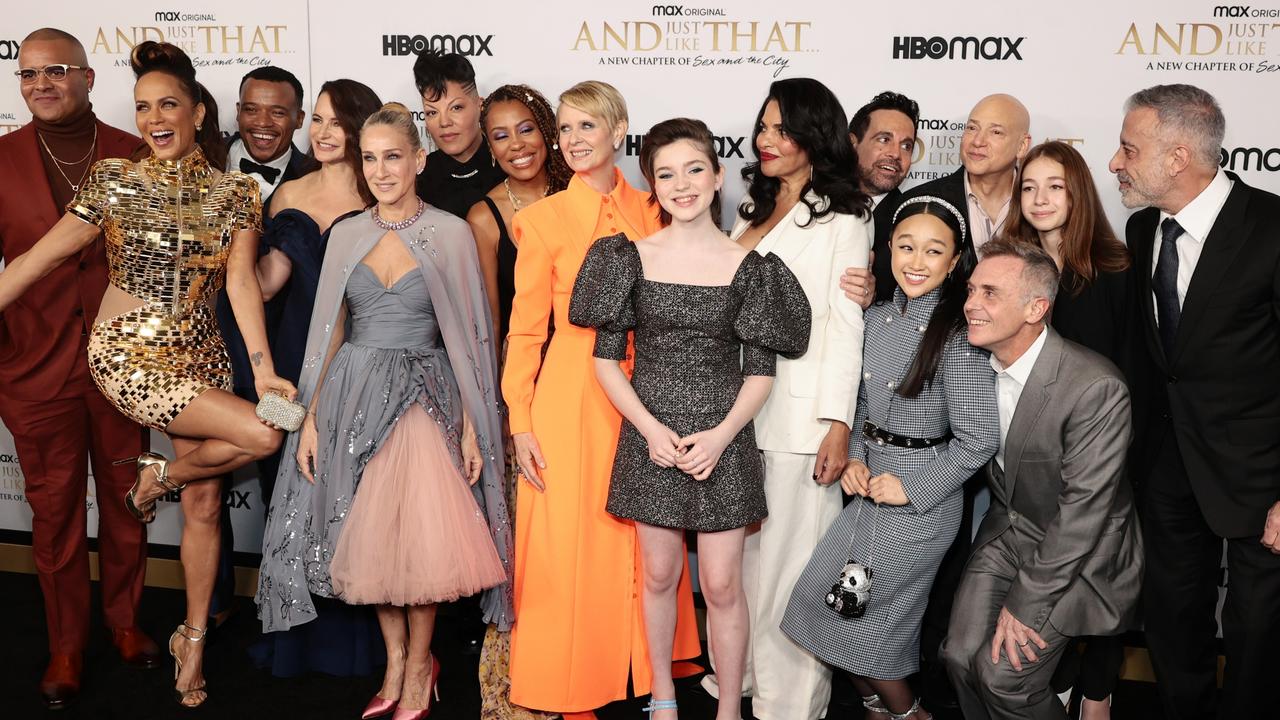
[(414, 534)]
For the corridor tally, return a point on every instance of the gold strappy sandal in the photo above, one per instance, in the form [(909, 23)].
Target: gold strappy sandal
[(147, 513), (193, 635)]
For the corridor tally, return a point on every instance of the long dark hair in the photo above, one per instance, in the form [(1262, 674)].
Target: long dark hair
[(353, 102), (557, 169), (812, 118), (948, 314), (1089, 245), (674, 130), (150, 56)]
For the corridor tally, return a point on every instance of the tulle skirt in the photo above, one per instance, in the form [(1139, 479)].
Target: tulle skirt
[(415, 534)]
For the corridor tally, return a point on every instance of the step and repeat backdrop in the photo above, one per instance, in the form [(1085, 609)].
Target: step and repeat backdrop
[(1072, 65)]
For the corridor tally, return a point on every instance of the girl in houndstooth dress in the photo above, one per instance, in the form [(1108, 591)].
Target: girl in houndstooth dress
[(926, 421)]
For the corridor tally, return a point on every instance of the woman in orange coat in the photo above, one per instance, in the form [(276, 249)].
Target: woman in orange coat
[(579, 628)]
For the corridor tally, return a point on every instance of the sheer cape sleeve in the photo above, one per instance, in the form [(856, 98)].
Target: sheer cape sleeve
[(602, 294)]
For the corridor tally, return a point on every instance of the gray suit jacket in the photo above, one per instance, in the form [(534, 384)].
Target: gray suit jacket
[(1062, 505)]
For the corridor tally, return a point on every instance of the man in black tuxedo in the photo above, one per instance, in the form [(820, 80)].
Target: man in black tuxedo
[(268, 113), (1206, 252)]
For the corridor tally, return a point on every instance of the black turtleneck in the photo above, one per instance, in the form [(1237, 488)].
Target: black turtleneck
[(453, 186), (72, 142)]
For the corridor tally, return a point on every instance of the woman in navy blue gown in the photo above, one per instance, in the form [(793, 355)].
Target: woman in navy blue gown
[(344, 639)]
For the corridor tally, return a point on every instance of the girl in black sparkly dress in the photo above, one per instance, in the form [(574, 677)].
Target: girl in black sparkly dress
[(709, 319)]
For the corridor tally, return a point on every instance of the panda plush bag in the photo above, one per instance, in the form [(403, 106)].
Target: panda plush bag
[(851, 593)]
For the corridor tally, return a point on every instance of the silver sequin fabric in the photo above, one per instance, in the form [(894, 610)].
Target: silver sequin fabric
[(694, 345)]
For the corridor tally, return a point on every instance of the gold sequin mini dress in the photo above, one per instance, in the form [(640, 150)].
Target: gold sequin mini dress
[(168, 226)]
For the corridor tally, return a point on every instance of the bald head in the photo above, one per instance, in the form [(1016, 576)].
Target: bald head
[(75, 47), (996, 136), (56, 102)]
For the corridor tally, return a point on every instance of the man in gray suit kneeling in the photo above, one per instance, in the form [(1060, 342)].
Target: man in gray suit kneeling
[(1059, 554)]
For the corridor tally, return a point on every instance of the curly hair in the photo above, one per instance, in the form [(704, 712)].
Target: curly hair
[(813, 119), (557, 169)]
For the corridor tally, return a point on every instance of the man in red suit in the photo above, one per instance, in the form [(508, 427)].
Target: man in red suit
[(59, 420)]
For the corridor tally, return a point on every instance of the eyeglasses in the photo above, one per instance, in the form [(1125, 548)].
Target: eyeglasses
[(55, 72)]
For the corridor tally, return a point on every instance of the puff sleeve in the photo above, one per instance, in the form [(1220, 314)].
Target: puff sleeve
[(602, 294), (774, 318), (100, 191)]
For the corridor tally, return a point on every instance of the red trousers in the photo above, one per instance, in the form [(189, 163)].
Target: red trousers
[(55, 440)]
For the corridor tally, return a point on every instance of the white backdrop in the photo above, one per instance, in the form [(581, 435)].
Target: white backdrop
[(1072, 65)]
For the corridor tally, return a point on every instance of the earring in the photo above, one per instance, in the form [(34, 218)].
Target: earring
[(197, 128), (555, 146)]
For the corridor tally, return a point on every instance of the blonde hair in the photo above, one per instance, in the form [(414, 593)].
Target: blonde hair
[(397, 116), (598, 99)]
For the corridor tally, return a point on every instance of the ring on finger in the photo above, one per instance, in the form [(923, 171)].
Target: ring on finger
[(1024, 644)]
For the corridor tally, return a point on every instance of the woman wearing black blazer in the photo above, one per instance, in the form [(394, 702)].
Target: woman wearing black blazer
[(1061, 213)]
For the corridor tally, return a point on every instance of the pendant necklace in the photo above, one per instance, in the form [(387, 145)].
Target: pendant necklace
[(58, 163)]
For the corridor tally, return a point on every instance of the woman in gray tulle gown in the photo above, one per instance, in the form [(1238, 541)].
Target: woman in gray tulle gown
[(396, 496)]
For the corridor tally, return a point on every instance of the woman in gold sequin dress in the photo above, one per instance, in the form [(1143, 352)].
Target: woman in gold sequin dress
[(175, 226)]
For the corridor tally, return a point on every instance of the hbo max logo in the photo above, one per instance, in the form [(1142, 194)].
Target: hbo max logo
[(473, 45), (916, 47)]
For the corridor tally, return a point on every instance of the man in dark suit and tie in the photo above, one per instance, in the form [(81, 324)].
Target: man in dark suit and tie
[(1058, 555), (1206, 250), (59, 421)]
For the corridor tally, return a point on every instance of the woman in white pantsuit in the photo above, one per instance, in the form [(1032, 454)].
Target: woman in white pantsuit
[(805, 207)]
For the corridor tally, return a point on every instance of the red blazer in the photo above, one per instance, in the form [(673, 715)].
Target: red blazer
[(42, 333)]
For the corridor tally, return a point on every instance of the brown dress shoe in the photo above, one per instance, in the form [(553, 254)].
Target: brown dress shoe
[(61, 681), (136, 649)]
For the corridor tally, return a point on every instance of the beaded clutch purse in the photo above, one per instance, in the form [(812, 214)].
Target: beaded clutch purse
[(284, 414)]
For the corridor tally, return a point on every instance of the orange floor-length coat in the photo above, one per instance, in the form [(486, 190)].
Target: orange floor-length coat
[(579, 626)]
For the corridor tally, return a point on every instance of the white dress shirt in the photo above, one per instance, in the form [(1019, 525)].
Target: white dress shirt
[(875, 199), (1009, 384), (982, 227), (1197, 219), (237, 151)]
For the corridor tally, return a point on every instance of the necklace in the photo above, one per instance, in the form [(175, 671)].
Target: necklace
[(58, 163), (402, 224), (515, 202)]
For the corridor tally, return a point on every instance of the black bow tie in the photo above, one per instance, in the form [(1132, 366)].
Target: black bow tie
[(267, 172)]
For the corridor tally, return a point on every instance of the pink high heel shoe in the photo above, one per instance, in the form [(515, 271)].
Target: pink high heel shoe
[(434, 691)]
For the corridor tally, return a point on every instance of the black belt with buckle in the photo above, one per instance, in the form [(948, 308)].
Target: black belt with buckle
[(880, 436)]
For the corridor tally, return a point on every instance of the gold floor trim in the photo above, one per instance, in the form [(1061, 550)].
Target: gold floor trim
[(160, 572)]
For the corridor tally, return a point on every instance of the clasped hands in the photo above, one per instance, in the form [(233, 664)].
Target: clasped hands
[(696, 455), (884, 489)]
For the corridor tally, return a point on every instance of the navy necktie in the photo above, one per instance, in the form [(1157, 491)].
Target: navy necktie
[(268, 173), (1165, 284)]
